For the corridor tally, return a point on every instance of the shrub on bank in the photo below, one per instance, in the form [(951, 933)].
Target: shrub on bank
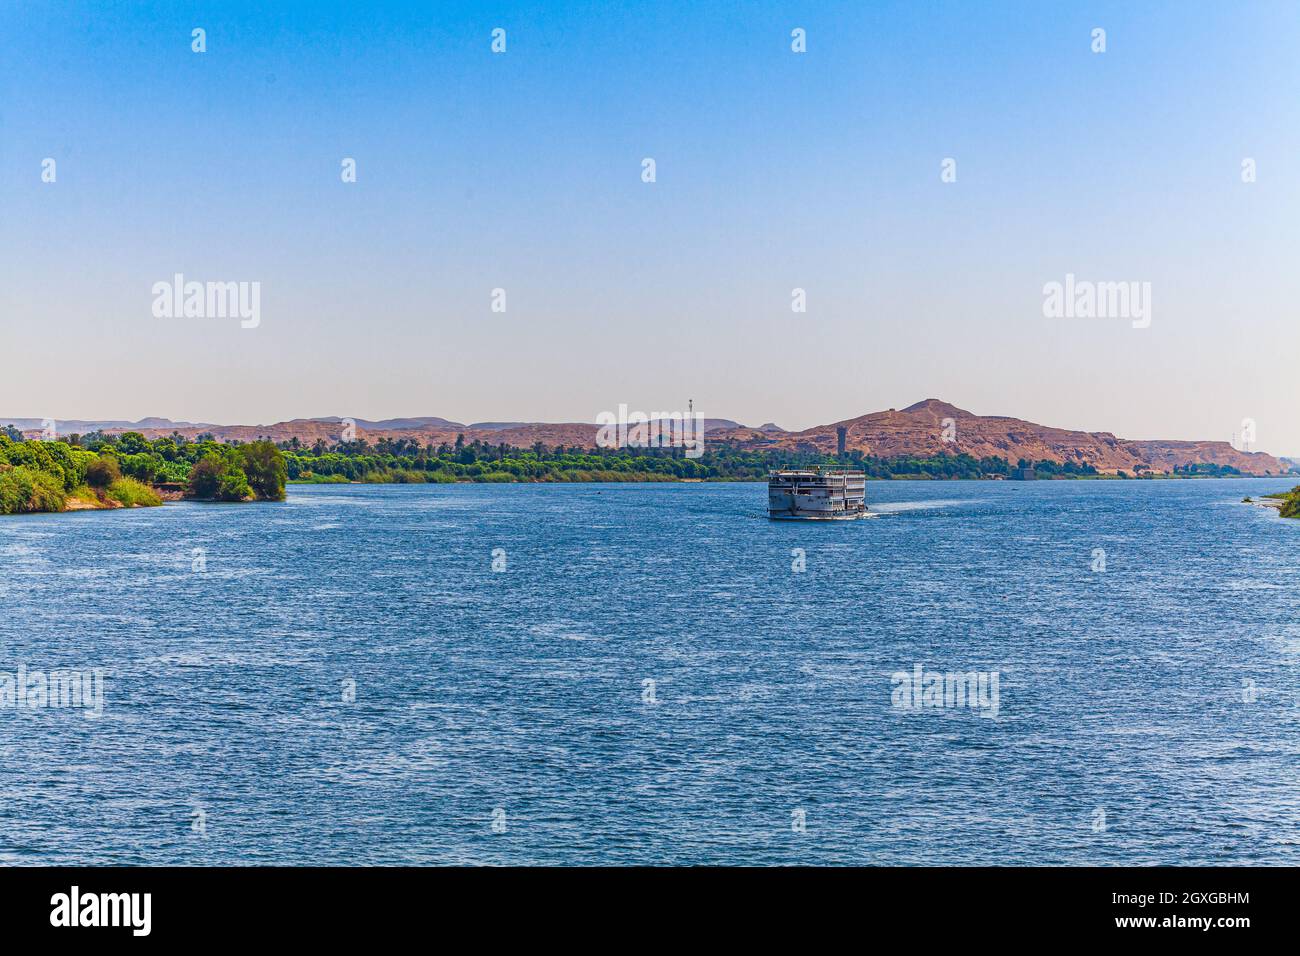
[(24, 489), (264, 467), (240, 473), (131, 493), (1291, 506), (102, 472), (85, 493), (308, 478), (234, 486)]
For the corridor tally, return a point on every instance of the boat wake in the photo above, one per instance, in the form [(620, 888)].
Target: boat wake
[(895, 507)]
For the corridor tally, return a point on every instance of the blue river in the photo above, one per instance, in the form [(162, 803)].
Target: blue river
[(657, 674)]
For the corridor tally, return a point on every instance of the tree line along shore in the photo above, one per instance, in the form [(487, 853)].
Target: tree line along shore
[(100, 470), (130, 471)]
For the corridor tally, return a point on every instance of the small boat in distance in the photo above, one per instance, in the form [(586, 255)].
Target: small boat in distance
[(811, 493)]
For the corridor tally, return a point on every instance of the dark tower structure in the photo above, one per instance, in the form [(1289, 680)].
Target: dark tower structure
[(841, 434)]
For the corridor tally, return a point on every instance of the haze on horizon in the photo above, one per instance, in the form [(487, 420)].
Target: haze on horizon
[(775, 170)]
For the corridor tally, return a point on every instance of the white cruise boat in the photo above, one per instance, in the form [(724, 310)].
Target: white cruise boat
[(816, 494)]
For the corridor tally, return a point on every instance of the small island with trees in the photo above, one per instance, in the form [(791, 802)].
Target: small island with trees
[(101, 471)]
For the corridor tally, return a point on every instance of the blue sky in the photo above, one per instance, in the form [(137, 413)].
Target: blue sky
[(775, 170)]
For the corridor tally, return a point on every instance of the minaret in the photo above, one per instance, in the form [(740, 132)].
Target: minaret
[(688, 426)]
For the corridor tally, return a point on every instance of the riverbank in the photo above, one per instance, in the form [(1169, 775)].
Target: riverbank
[(123, 493), (1273, 503), (632, 477), (129, 471), (1286, 503)]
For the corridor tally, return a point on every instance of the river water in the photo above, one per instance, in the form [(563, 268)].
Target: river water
[(450, 674)]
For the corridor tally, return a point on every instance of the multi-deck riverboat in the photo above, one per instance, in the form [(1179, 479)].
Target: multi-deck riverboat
[(817, 494)]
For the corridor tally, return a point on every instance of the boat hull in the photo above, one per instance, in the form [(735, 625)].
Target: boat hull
[(775, 516)]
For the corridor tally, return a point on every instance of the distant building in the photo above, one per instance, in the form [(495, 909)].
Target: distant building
[(841, 437), (1024, 474)]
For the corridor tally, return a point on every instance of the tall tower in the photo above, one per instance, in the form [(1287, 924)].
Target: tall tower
[(841, 436)]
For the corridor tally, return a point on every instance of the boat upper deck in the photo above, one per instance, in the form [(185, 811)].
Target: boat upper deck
[(809, 473)]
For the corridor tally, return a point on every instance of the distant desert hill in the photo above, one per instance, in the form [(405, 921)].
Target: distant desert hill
[(81, 426), (920, 430), (931, 427), (392, 423)]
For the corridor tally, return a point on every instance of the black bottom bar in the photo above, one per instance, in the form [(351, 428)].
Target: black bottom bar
[(337, 906)]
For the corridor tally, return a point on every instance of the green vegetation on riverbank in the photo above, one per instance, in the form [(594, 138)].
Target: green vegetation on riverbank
[(129, 471), (1290, 502), (407, 461), (40, 476)]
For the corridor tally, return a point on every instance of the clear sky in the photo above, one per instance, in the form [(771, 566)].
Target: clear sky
[(775, 170)]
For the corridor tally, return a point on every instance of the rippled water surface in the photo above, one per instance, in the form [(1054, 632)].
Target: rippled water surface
[(1163, 690)]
